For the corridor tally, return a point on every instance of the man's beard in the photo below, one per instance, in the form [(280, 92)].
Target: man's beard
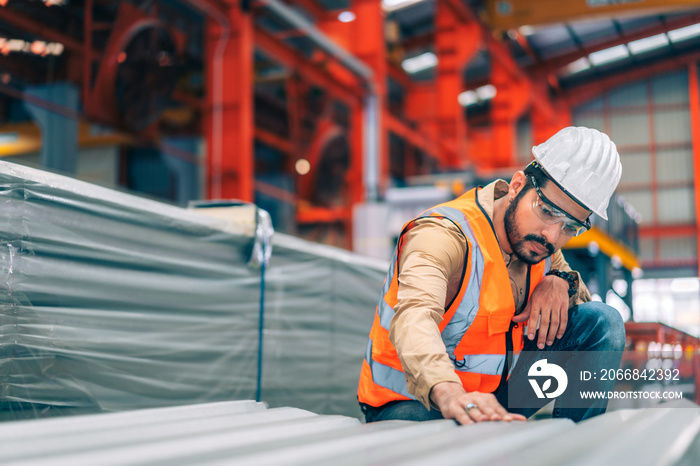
[(517, 242)]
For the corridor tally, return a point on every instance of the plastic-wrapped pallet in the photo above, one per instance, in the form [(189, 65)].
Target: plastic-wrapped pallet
[(111, 302)]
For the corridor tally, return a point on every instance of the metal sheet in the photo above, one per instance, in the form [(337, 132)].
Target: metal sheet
[(247, 433)]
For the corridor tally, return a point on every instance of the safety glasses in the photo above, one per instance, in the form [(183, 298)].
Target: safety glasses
[(549, 213)]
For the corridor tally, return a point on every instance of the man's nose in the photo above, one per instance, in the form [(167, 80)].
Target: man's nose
[(551, 232)]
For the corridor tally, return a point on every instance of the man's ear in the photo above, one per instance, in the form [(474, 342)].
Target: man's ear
[(516, 184)]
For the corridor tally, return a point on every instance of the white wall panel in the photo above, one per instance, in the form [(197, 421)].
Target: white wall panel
[(641, 201), (672, 126), (627, 96), (674, 165), (629, 129), (646, 249), (591, 105), (670, 88), (682, 247), (676, 205), (591, 121), (636, 168)]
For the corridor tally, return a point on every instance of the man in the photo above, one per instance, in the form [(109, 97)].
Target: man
[(469, 275)]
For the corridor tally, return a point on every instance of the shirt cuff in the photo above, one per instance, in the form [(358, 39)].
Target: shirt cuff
[(582, 294), (429, 376)]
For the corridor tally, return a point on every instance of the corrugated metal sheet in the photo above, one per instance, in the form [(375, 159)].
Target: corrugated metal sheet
[(112, 303), (245, 432)]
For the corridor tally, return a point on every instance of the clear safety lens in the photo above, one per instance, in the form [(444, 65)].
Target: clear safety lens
[(550, 214)]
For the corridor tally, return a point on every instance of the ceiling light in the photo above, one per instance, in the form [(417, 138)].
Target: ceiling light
[(302, 166), (419, 63), (486, 92), (687, 32), (467, 98), (346, 16), (582, 64), (393, 5), (648, 43), (481, 94), (609, 55)]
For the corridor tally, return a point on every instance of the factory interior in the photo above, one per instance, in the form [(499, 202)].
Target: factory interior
[(201, 199)]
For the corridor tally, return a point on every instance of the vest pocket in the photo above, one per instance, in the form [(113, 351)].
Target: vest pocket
[(499, 322)]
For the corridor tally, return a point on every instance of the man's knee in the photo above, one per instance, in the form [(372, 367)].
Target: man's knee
[(603, 324)]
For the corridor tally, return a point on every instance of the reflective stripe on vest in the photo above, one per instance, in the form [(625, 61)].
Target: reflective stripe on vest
[(390, 378), (386, 312), (469, 306)]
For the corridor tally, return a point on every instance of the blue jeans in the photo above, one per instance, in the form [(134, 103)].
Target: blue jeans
[(592, 326)]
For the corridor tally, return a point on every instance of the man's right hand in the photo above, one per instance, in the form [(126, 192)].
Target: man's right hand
[(452, 400)]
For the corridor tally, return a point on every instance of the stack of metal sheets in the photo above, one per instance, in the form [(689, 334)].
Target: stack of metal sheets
[(110, 302), (247, 433)]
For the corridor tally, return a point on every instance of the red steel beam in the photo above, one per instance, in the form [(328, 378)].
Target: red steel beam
[(660, 231), (669, 263), (541, 102), (413, 137), (694, 96), (399, 75), (551, 66), (456, 42), (651, 122), (292, 59), (228, 121), (273, 140)]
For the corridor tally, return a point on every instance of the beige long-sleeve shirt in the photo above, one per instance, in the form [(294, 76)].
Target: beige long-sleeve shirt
[(430, 269)]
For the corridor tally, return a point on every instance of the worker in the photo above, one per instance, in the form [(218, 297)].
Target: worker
[(470, 275)]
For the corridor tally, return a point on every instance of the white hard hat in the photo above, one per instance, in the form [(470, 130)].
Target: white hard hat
[(584, 163)]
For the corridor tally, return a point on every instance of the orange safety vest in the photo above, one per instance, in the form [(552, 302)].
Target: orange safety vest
[(477, 329)]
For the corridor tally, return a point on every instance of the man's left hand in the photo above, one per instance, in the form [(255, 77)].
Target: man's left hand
[(550, 304)]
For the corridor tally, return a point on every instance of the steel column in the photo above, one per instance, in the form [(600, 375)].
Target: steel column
[(229, 122), (421, 109), (512, 100), (694, 96), (366, 32), (456, 42)]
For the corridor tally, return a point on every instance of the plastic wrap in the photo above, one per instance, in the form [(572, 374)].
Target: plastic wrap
[(111, 302)]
